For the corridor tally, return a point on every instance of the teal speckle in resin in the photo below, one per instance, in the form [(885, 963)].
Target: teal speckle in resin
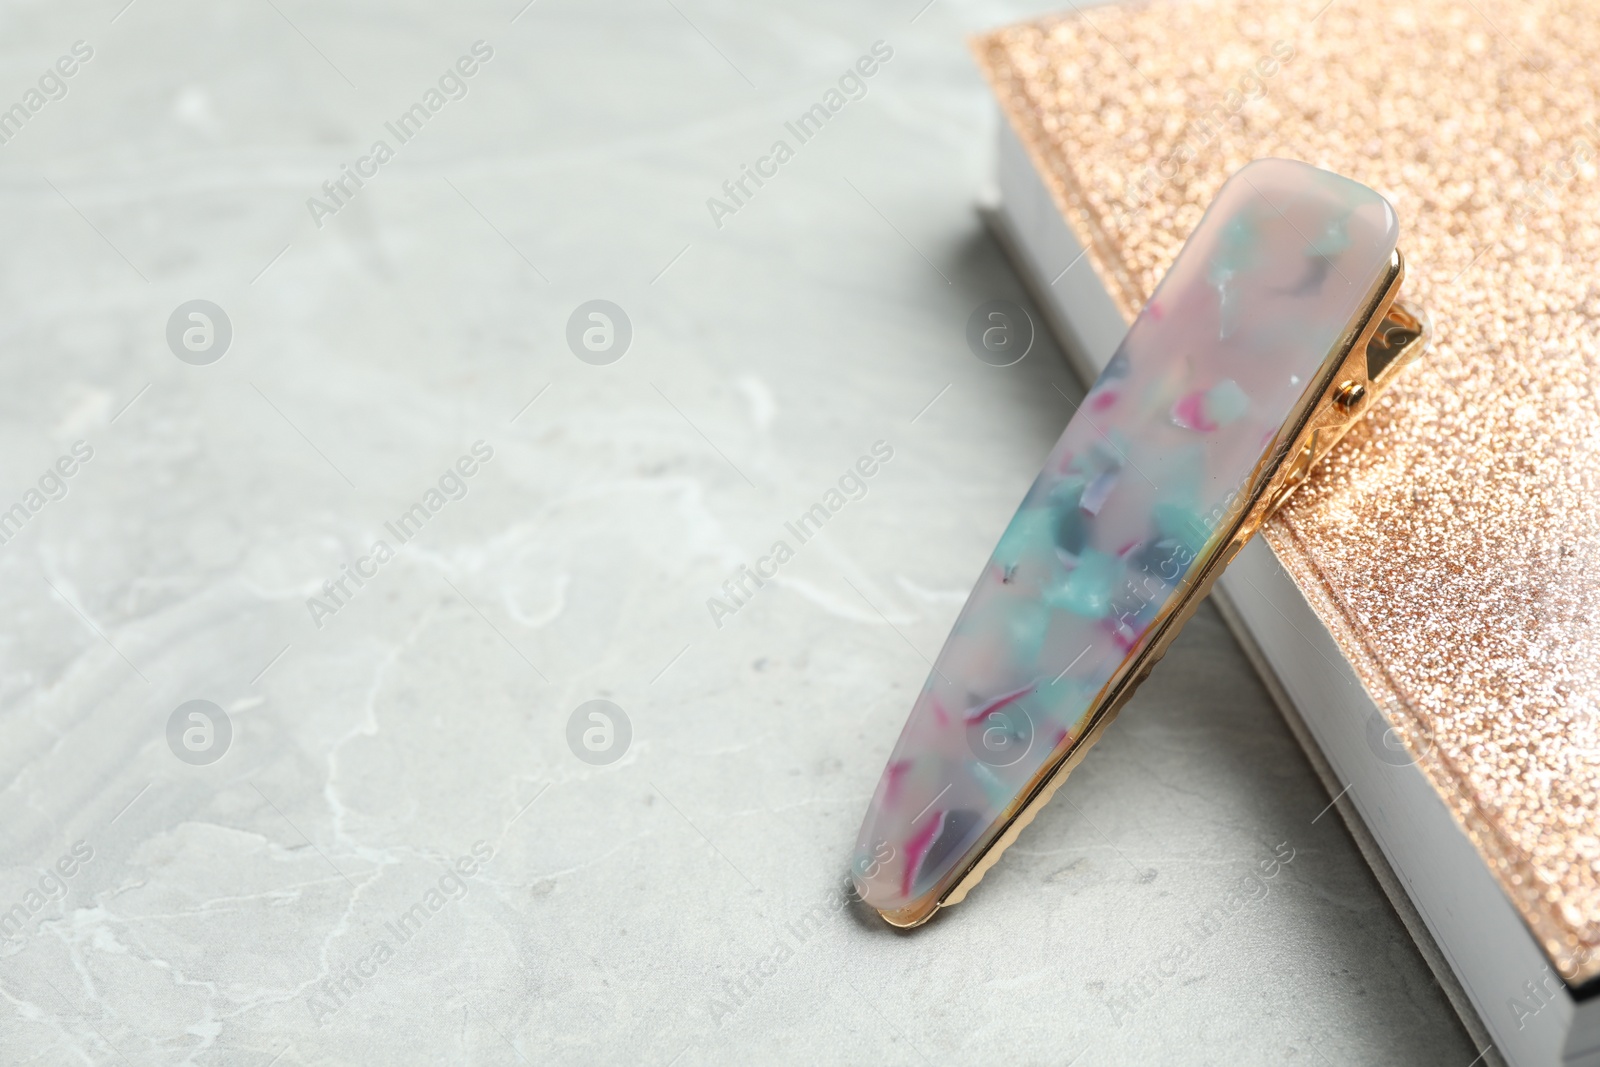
[(998, 792), (1182, 524), (1235, 253), (1087, 589), (1026, 625), (1225, 402), (1029, 537)]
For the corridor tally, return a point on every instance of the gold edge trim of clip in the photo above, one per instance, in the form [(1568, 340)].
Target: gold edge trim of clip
[(1270, 487)]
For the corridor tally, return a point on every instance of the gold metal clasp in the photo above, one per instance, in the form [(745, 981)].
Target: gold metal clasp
[(1392, 335)]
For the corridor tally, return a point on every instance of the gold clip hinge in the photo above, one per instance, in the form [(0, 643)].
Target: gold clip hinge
[(1393, 337)]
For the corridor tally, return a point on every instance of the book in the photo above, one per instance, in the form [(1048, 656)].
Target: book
[(1113, 135)]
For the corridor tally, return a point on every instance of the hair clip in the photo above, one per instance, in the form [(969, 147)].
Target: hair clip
[(1273, 331)]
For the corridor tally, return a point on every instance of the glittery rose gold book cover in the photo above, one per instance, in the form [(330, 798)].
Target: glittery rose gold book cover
[(1452, 543)]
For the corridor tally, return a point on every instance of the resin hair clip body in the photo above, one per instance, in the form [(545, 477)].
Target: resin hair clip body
[(1272, 332)]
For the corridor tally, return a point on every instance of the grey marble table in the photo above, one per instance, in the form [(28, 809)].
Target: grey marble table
[(377, 840)]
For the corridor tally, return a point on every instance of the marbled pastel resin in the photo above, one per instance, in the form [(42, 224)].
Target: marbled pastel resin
[(1131, 501)]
